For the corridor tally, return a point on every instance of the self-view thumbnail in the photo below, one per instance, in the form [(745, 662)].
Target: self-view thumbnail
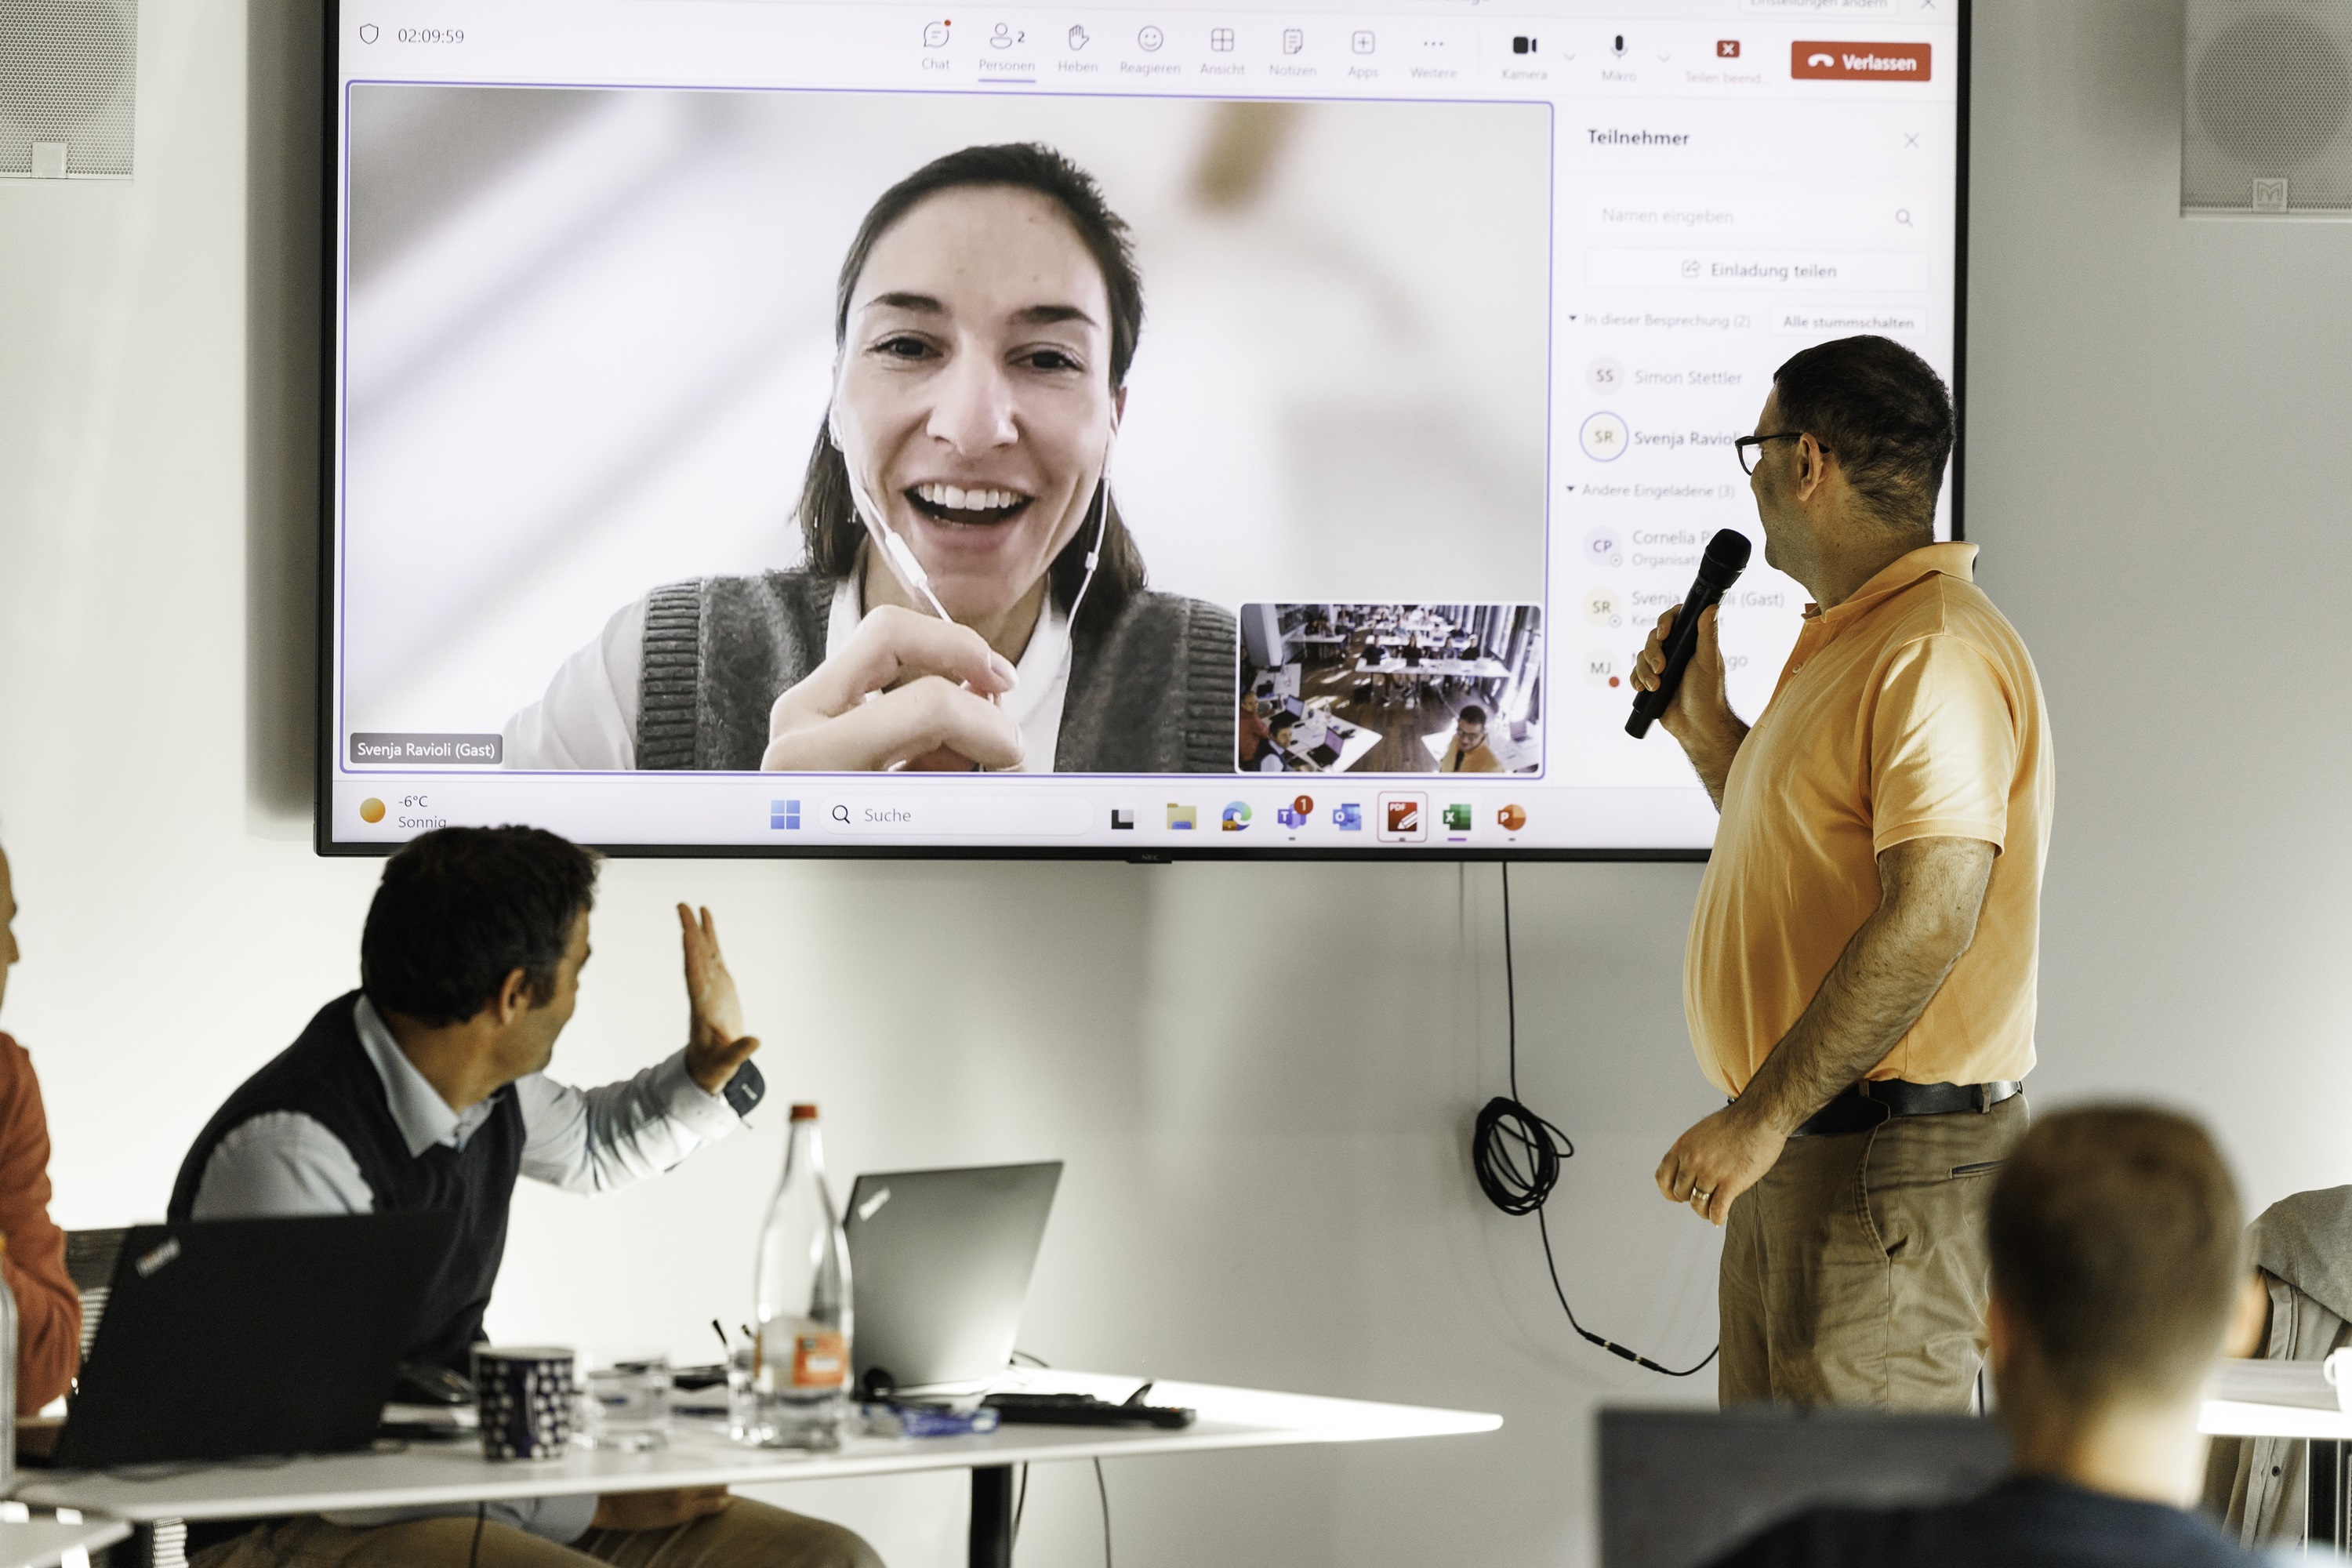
[(1390, 689)]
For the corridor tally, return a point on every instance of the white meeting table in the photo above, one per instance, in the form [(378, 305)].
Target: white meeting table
[(2290, 1399), (699, 1455)]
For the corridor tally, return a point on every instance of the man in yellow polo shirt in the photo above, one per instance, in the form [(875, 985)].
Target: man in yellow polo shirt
[(1860, 977)]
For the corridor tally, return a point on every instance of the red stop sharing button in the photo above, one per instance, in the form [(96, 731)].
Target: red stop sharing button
[(1858, 62)]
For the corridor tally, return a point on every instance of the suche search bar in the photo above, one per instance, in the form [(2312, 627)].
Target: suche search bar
[(1768, 269), (967, 814)]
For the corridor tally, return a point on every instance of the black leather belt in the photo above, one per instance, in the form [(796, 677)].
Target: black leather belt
[(1873, 1103)]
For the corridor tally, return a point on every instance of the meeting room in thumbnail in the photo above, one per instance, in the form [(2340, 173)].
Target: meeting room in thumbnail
[(1390, 689)]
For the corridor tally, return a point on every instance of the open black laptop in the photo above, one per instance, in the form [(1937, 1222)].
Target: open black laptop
[(225, 1338)]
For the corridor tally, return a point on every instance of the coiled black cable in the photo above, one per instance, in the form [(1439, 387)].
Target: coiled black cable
[(1517, 1155)]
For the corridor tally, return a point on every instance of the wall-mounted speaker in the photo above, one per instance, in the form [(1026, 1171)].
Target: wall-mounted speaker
[(2266, 123), (69, 76)]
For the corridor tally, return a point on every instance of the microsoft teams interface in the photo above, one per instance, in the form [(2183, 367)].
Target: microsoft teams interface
[(812, 426)]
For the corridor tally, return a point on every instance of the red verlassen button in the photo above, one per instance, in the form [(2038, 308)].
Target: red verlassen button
[(1813, 60)]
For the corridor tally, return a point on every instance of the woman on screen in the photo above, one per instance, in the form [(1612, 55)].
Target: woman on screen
[(969, 596)]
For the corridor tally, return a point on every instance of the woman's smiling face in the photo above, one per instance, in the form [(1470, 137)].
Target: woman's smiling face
[(975, 405)]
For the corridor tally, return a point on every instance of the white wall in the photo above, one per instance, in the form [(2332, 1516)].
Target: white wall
[(2156, 408)]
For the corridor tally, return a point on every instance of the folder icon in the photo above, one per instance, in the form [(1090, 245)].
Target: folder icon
[(1184, 816)]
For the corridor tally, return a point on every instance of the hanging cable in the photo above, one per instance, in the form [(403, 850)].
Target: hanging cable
[(1517, 1155)]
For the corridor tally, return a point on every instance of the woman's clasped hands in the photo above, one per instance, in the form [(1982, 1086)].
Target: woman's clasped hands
[(908, 690)]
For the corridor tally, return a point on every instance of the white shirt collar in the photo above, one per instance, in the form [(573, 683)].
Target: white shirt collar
[(423, 1117), (1044, 669)]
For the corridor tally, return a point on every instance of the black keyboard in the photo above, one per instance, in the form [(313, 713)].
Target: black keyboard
[(1083, 1410)]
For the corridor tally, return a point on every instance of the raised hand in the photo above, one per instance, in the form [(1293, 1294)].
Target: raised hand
[(715, 1042)]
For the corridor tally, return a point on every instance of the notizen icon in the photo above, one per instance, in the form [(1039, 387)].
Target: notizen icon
[(1183, 818), (1122, 819), (1511, 818), (1237, 817), (1348, 817)]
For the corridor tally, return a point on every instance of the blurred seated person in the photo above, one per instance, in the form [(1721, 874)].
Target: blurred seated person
[(1468, 753), (426, 1088), (2115, 1277), (48, 1308), (1274, 758), (1251, 733), (2300, 1310)]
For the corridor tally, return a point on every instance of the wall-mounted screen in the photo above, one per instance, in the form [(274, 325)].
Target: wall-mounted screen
[(858, 428)]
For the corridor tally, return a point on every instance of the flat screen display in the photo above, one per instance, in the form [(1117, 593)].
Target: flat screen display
[(805, 428)]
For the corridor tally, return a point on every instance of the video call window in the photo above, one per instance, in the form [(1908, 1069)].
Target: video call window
[(642, 383)]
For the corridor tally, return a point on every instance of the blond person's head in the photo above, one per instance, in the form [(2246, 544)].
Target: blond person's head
[(2115, 1234)]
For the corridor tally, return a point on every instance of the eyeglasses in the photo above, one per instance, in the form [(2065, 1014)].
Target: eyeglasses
[(1750, 447)]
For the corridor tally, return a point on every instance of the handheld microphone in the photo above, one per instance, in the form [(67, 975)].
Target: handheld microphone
[(1718, 569)]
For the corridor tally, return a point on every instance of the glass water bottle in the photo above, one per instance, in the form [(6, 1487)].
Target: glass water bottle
[(799, 1363)]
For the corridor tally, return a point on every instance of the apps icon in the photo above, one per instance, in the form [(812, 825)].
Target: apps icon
[(1295, 815), (1457, 817), (371, 810), (785, 814), (1122, 818), (1182, 819), (1348, 818), (1511, 818), (1236, 817), (1362, 43), (1403, 819)]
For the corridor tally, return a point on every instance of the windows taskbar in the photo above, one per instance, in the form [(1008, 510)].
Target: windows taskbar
[(1167, 817)]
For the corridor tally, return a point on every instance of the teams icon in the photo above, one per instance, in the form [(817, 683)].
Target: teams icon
[(1295, 813), (1236, 817), (1348, 818)]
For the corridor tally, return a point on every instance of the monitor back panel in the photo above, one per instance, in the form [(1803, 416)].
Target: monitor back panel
[(1678, 1488), (939, 1264)]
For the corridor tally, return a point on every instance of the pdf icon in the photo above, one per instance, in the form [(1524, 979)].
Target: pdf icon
[(1404, 819)]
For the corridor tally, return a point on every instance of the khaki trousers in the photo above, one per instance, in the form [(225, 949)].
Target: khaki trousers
[(1855, 1272), (745, 1532)]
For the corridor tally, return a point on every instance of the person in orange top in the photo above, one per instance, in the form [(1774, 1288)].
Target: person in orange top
[(1468, 753), (48, 1308), (1860, 975)]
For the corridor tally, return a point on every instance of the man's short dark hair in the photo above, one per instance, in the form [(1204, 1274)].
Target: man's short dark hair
[(1882, 412), (1474, 714), (2115, 1242), (460, 908)]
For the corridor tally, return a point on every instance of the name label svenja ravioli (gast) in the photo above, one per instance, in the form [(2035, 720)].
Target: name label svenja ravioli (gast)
[(386, 750)]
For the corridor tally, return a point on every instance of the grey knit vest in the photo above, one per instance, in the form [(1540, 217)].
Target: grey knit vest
[(1151, 692)]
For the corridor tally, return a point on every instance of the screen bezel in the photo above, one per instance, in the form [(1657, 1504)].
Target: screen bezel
[(327, 739)]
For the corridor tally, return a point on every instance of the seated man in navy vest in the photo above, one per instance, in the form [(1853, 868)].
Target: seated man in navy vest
[(424, 1089)]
